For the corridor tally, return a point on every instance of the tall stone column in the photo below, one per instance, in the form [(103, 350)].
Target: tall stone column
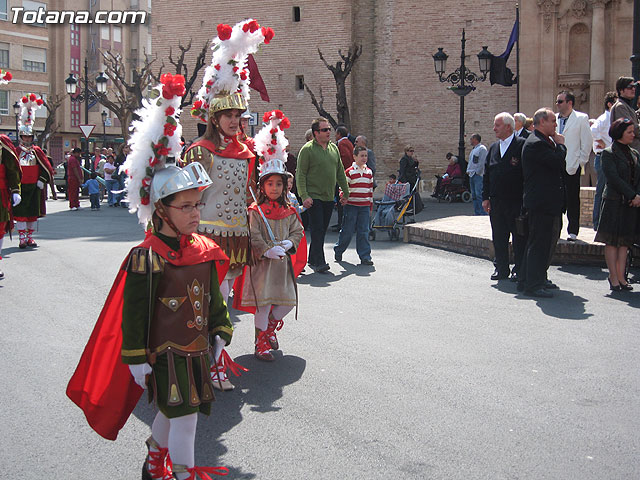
[(596, 77)]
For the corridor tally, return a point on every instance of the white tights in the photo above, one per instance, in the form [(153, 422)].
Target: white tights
[(179, 435), (261, 319), (26, 225), (1, 242)]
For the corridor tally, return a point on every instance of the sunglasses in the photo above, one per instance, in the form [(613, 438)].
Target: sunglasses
[(559, 101), (630, 87), (328, 129)]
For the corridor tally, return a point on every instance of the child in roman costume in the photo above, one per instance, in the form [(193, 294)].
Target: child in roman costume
[(10, 175), (220, 103), (36, 174), (165, 309), (269, 285)]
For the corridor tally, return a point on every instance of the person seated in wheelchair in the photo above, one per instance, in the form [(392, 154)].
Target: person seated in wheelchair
[(453, 171)]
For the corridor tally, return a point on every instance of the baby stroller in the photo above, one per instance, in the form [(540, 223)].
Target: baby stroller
[(454, 191), (397, 209)]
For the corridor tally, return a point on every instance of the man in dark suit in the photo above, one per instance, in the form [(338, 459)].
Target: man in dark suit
[(543, 164), (502, 194), (520, 131)]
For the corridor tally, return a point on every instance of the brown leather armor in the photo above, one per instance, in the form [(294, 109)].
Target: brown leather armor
[(180, 325)]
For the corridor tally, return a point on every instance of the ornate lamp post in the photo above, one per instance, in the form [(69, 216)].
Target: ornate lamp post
[(462, 80), (88, 96), (16, 110), (104, 128)]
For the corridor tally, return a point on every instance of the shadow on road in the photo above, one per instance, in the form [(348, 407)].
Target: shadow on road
[(589, 273), (564, 305), (259, 388)]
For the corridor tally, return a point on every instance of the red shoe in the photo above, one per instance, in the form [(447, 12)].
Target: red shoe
[(263, 347), (201, 472), (274, 326), (158, 464), (218, 371)]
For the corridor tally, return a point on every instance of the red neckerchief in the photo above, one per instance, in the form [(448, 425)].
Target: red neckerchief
[(273, 210), (231, 148)]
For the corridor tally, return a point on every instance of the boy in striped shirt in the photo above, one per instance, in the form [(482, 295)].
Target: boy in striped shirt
[(357, 209)]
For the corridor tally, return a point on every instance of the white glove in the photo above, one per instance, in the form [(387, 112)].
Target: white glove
[(445, 175), (40, 184), (139, 373), (275, 253), (287, 244), (16, 199), (219, 345)]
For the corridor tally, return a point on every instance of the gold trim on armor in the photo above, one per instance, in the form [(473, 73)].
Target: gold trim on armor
[(226, 101), (200, 344), (138, 261), (196, 296), (174, 303), (222, 329)]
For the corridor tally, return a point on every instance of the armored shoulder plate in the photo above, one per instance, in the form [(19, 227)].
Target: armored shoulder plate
[(201, 155), (139, 261)]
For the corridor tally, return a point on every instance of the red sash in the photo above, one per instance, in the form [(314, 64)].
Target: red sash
[(30, 174)]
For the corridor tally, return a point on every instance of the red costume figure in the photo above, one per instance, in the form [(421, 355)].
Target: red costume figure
[(10, 176), (74, 178)]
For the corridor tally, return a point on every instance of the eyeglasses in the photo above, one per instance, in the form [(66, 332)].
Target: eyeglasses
[(630, 87), (325, 130), (559, 101), (189, 208)]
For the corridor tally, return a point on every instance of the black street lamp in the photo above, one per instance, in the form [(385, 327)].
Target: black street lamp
[(462, 80), (87, 97), (16, 110), (104, 128)]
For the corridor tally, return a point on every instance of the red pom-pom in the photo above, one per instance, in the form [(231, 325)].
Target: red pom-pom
[(245, 27), (266, 117), (224, 31), (278, 114), (39, 101), (268, 34), (144, 200), (285, 123), (32, 97), (197, 104), (217, 67), (273, 131), (172, 85), (243, 75), (8, 76), (274, 142), (235, 69), (169, 111), (25, 99), (253, 26), (152, 162)]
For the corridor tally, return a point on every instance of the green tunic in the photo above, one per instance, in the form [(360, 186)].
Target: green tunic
[(135, 319), (12, 175)]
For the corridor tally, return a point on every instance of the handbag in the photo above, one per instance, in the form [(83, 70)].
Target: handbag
[(522, 224)]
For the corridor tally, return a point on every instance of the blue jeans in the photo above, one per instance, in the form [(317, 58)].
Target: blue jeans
[(112, 185), (475, 183), (597, 200), (355, 220), (94, 198)]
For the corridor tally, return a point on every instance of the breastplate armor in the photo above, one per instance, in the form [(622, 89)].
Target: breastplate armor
[(181, 310), (27, 157), (225, 212)]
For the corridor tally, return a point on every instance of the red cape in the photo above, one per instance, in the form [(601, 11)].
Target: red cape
[(298, 261), (102, 385)]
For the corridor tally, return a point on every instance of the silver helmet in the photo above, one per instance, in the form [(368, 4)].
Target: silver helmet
[(172, 179)]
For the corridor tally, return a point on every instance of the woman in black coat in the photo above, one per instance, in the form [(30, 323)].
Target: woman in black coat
[(619, 212), (409, 173)]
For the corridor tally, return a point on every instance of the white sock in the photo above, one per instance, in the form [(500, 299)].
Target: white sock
[(261, 318), (1, 242), (31, 225), (225, 289), (160, 430), (21, 225), (280, 311), (182, 438)]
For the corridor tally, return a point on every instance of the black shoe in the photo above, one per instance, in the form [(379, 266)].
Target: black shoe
[(549, 285), (496, 275), (614, 288), (540, 293), (513, 277), (623, 286), (366, 262), (337, 257), (320, 268), (22, 246)]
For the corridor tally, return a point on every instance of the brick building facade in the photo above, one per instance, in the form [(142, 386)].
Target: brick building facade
[(395, 95)]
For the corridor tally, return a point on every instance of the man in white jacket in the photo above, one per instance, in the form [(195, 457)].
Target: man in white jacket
[(574, 126)]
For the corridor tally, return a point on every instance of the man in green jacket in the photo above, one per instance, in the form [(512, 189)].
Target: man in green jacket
[(319, 169)]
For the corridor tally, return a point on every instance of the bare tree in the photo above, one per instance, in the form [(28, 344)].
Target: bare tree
[(126, 96), (51, 126), (340, 73), (182, 68)]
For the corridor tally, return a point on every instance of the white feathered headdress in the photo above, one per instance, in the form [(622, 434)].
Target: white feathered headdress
[(29, 104), (271, 143), (5, 76), (226, 81), (156, 136)]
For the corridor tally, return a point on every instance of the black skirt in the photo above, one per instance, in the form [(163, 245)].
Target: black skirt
[(618, 223)]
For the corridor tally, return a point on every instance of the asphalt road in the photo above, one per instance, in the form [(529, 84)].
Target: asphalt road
[(418, 368)]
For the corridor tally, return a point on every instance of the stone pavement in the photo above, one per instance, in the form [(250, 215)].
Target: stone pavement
[(453, 227)]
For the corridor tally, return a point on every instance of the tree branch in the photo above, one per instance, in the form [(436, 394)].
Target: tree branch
[(319, 105)]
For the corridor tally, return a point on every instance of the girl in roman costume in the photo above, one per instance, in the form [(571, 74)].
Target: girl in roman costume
[(10, 175), (268, 285), (165, 310), (230, 163), (36, 174)]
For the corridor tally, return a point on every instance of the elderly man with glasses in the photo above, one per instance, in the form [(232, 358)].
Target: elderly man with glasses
[(319, 169), (624, 108)]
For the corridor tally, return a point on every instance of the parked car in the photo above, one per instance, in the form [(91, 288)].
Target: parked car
[(60, 178)]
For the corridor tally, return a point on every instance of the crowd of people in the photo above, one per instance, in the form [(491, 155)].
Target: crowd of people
[(530, 178)]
